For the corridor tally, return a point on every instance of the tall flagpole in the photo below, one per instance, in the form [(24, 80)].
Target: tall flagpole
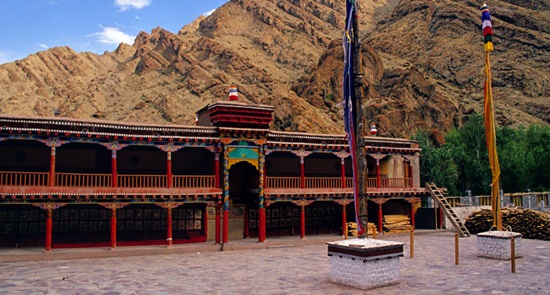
[(353, 115), (360, 144), (489, 116)]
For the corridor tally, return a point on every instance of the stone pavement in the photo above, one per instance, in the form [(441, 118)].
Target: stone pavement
[(279, 266)]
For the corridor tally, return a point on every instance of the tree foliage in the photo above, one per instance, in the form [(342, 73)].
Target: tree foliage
[(462, 162)]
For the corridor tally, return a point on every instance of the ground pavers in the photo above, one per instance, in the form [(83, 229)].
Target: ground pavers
[(283, 269)]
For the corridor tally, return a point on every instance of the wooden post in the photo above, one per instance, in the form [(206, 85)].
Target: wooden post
[(302, 173), (412, 241), (261, 228), (303, 221), (48, 242), (225, 232), (169, 227), (114, 175), (413, 221), (52, 167), (113, 227), (513, 254), (169, 169), (343, 172), (380, 217), (344, 222), (456, 249), (378, 177)]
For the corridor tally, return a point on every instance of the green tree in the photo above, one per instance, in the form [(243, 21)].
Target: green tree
[(468, 148), (436, 164)]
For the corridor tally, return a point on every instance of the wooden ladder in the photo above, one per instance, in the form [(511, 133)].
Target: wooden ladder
[(439, 198)]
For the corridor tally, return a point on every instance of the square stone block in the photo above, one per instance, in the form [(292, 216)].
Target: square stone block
[(498, 245), (364, 263)]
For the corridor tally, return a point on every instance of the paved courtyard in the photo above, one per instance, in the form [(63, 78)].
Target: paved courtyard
[(279, 267)]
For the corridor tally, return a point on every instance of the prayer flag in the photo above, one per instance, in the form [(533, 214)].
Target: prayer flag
[(489, 116), (349, 102)]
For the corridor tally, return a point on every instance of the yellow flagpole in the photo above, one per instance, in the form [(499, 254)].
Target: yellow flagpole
[(490, 135)]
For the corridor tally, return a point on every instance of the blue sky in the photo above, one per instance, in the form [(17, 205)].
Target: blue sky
[(29, 26)]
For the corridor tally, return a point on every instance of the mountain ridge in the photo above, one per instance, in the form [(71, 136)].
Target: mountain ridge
[(423, 63)]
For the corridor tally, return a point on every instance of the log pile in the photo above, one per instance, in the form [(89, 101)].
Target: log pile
[(530, 223), (352, 229), (396, 223)]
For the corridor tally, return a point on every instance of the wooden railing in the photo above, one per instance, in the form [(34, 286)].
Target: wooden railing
[(323, 182), (24, 178), (141, 180), (332, 182), (83, 180), (193, 181), (283, 182), (395, 182), (178, 181)]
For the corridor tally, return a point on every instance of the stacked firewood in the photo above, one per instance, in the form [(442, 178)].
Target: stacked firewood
[(352, 229), (530, 223), (396, 223)]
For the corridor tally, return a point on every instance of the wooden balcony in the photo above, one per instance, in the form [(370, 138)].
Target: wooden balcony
[(101, 184), (334, 183)]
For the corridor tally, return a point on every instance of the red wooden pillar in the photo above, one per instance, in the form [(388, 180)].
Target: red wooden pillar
[(48, 242), (169, 169), (217, 172), (261, 226), (218, 224), (52, 166), (225, 233), (113, 227), (380, 218), (343, 172), (169, 227), (302, 173), (114, 174), (344, 221), (303, 221), (378, 180)]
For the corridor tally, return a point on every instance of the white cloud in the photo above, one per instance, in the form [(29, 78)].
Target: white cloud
[(208, 13), (128, 4), (44, 46), (115, 36)]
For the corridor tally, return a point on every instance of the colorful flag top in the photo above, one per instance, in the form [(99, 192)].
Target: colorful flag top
[(233, 93), (349, 101), (487, 27)]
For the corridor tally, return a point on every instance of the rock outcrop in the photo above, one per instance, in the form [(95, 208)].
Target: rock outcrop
[(423, 65)]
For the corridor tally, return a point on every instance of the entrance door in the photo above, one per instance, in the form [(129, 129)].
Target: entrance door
[(244, 181)]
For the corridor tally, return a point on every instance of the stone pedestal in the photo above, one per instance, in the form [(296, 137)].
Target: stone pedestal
[(364, 263), (497, 244)]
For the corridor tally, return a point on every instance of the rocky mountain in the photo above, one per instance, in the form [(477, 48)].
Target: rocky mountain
[(423, 63)]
